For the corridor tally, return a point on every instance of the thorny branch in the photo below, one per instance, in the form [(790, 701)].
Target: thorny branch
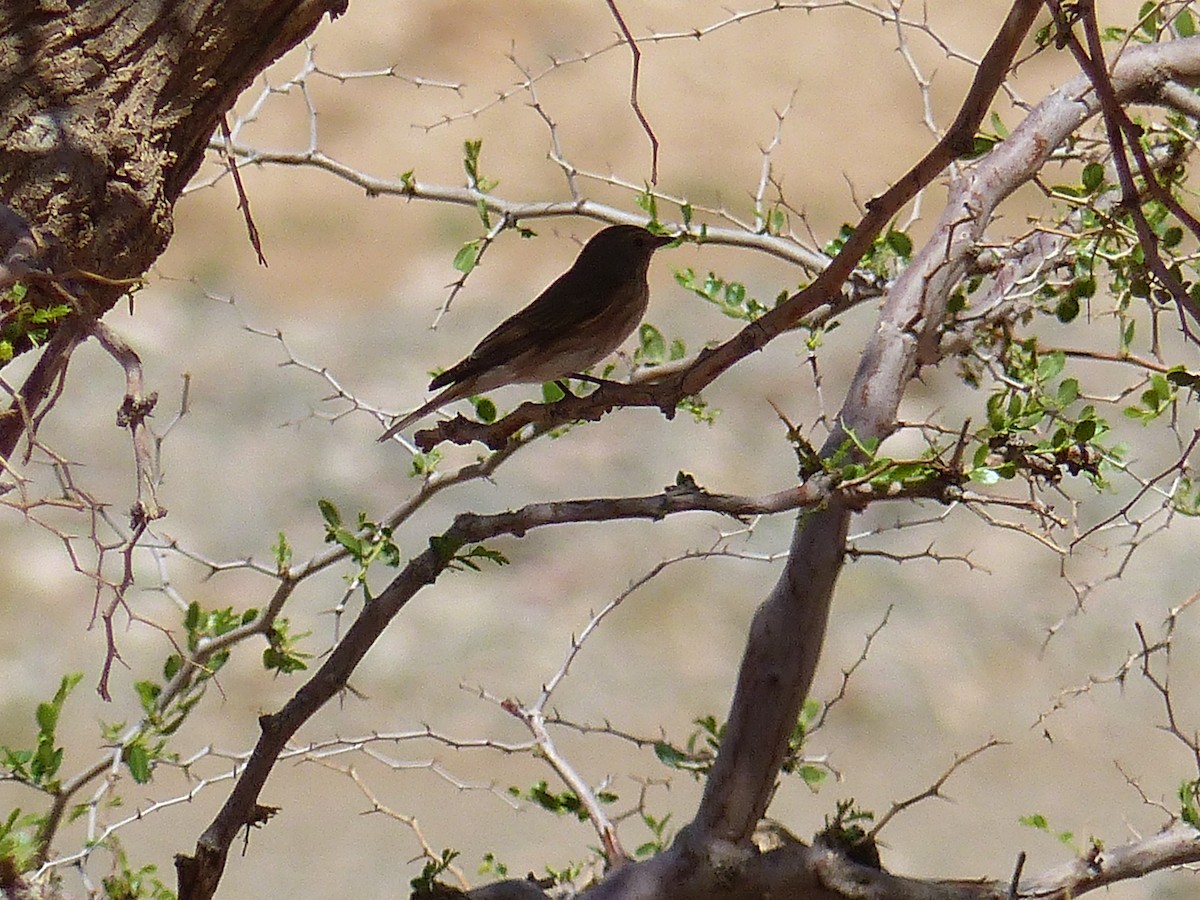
[(777, 502), (633, 88), (1120, 130)]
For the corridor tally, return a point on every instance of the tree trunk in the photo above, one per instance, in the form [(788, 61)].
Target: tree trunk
[(106, 109)]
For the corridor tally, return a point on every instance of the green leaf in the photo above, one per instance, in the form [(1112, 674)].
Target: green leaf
[(653, 345), (1093, 176), (812, 775), (282, 551), (1185, 24), (137, 758), (669, 755), (1051, 365), (984, 476), (982, 144), (280, 661), (1068, 392), (466, 257), (350, 542), (1181, 377), (425, 463), (485, 409), (1067, 310), (47, 717), (648, 202), (147, 692), (1189, 793), (647, 849), (900, 243), (445, 547), (426, 882), (329, 513), (1148, 16), (1084, 286)]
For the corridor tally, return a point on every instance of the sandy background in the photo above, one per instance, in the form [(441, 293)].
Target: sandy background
[(354, 283)]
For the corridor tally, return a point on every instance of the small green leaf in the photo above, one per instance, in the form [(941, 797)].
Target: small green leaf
[(900, 243), (329, 513), (147, 692), (1067, 310), (466, 257), (648, 202), (282, 551), (172, 666), (812, 776), (984, 476), (1051, 365), (47, 717), (1189, 794), (1082, 287), (982, 144), (137, 758), (485, 409), (1148, 16), (669, 755), (1068, 392), (653, 345)]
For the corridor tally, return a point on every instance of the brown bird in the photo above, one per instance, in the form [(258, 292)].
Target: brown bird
[(573, 324)]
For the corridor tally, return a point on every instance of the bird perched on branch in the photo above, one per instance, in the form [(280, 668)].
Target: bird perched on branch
[(573, 324)]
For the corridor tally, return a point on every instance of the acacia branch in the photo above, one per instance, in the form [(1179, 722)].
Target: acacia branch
[(1121, 131), (788, 629), (633, 89), (200, 873), (828, 286)]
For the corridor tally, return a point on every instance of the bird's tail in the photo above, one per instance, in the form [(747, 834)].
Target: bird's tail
[(449, 395)]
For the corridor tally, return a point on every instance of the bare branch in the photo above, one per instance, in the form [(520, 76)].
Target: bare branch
[(633, 88)]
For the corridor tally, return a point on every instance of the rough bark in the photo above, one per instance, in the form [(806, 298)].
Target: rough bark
[(105, 111)]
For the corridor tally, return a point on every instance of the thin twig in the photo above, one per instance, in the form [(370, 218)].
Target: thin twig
[(633, 90)]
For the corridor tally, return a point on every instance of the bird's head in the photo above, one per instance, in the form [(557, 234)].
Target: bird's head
[(621, 247)]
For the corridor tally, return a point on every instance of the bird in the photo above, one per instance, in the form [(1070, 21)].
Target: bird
[(574, 323)]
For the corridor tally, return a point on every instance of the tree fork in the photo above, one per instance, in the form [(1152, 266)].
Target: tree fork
[(105, 112)]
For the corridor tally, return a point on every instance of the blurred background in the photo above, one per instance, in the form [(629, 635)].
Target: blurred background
[(353, 286)]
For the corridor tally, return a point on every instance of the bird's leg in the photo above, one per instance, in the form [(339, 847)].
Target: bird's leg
[(599, 382)]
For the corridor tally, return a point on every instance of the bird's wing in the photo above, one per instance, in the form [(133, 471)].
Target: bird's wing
[(558, 309)]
